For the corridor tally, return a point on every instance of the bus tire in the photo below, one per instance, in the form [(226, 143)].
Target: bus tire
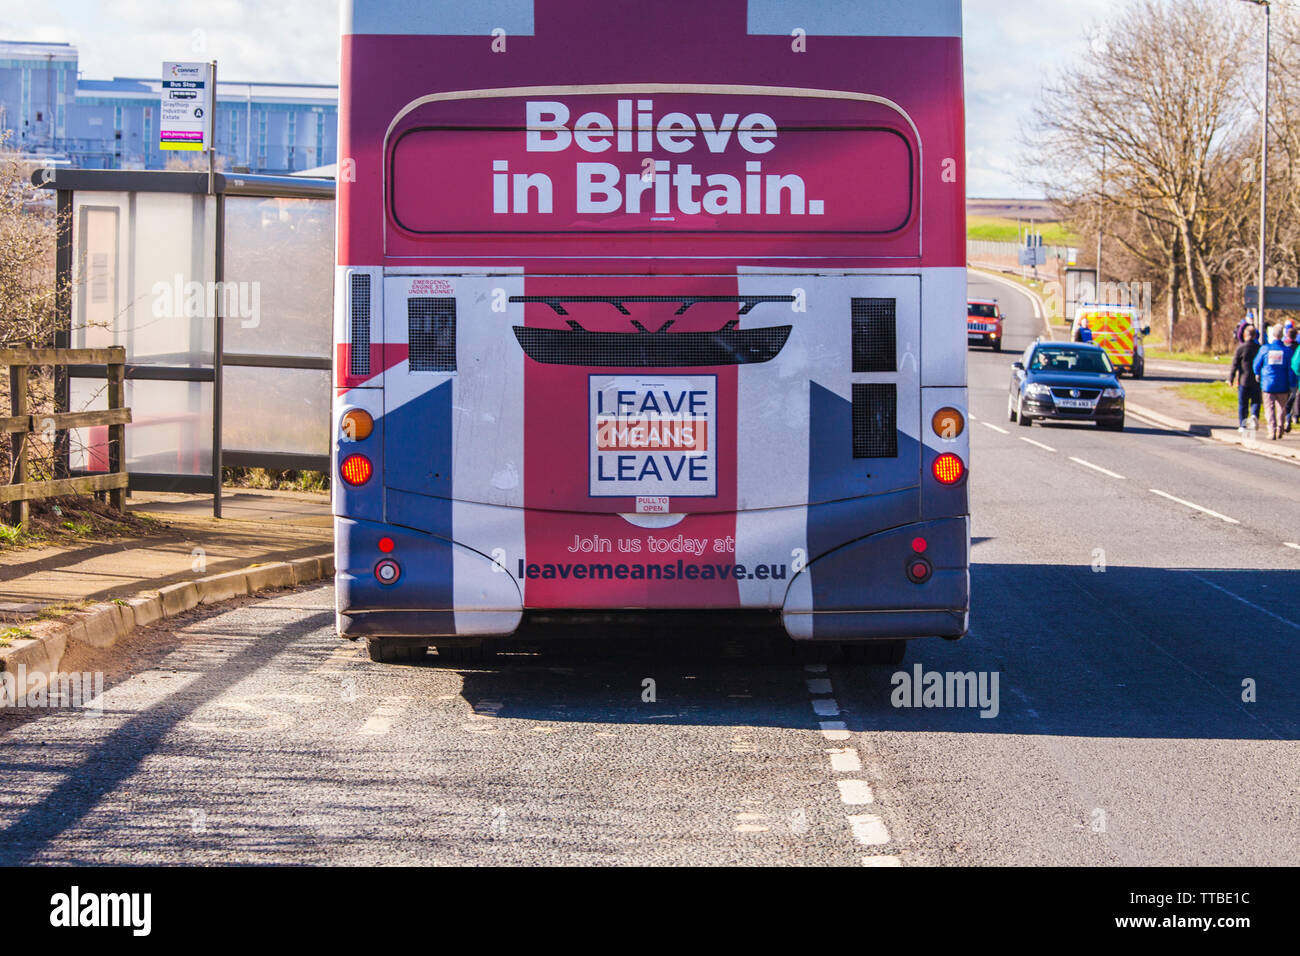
[(887, 653), (389, 651), (463, 653)]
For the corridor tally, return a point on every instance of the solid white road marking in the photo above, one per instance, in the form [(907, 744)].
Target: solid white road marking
[(819, 685), (881, 861), (855, 792), (1104, 471), (1038, 444), (1238, 597), (844, 760), (1212, 514), (868, 829), (1000, 431), (834, 729), (826, 707)]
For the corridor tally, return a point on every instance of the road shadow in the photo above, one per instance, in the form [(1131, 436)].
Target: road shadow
[(1124, 652)]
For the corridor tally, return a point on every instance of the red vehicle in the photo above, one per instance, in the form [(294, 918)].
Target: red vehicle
[(984, 322)]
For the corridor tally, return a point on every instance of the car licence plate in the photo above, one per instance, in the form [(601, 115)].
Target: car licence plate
[(1074, 403)]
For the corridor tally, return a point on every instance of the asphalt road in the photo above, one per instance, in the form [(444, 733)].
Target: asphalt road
[(1120, 621)]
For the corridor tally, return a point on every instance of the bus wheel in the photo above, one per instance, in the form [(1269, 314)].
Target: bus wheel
[(395, 652), (463, 653), (888, 653)]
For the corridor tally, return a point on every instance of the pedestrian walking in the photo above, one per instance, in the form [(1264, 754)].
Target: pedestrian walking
[(1289, 344), (1272, 367), (1247, 383)]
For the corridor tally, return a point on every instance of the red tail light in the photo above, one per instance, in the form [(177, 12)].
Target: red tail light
[(356, 469), (949, 469)]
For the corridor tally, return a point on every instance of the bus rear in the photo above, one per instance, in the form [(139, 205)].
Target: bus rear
[(647, 310)]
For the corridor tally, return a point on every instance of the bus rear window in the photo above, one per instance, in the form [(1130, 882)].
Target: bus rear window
[(802, 180)]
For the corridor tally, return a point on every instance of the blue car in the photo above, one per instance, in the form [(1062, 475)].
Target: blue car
[(1066, 381)]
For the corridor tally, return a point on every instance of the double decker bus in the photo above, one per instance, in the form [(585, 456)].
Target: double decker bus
[(650, 308)]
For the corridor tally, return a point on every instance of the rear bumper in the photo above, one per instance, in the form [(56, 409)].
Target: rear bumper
[(859, 591), (1107, 410)]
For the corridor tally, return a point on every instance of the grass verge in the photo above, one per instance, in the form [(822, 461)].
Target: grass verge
[(1205, 357), (1218, 397)]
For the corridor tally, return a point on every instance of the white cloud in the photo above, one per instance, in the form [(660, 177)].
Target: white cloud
[(1011, 48)]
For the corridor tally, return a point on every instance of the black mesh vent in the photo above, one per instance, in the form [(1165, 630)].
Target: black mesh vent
[(431, 334), (360, 318), (875, 420), (577, 346), (874, 336)]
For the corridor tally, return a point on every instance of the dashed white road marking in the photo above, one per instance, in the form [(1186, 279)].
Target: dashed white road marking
[(826, 707), (834, 729), (1000, 431), (1238, 597), (855, 792), (338, 658), (1024, 700), (868, 829), (1104, 471), (1189, 504), (380, 720), (815, 668), (1291, 544), (845, 760), (1038, 444)]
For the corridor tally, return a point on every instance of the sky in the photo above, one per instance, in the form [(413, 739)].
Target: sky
[(1012, 46)]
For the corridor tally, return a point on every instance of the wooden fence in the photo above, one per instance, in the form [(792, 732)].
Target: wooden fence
[(21, 423)]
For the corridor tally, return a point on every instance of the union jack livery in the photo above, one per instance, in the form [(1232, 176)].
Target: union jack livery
[(651, 307)]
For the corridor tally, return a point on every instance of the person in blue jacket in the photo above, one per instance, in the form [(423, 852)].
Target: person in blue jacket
[(1276, 379)]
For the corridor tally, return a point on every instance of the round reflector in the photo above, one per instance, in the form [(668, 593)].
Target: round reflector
[(387, 572), (948, 423), (386, 545), (919, 545), (949, 469), (356, 469), (920, 570), (356, 425)]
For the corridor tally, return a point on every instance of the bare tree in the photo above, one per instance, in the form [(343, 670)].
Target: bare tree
[(1162, 95)]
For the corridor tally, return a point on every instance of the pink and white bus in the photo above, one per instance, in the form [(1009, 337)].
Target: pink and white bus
[(644, 308)]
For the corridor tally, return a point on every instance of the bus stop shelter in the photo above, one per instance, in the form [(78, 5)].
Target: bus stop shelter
[(221, 293)]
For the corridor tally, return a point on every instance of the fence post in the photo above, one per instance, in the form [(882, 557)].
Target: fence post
[(18, 510), (117, 433)]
